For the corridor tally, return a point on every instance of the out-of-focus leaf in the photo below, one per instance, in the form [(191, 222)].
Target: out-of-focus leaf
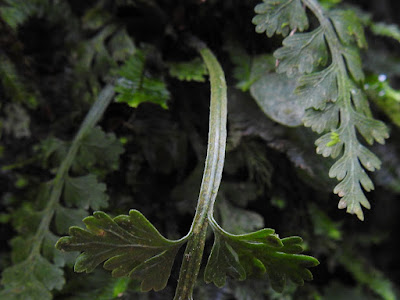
[(67, 217), (193, 70), (367, 275), (51, 151), (21, 247), (98, 148), (238, 220), (95, 18), (31, 279), (121, 45), (242, 62), (384, 96), (274, 94), (91, 61), (388, 30), (85, 192), (340, 291), (16, 12), (248, 69), (328, 4), (16, 121), (136, 86), (323, 225), (26, 218)]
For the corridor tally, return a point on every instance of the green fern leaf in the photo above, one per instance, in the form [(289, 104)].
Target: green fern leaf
[(129, 245), (317, 89), (354, 64), (194, 70), (136, 86), (322, 120), (349, 27), (280, 16), (257, 253), (302, 53), (360, 101)]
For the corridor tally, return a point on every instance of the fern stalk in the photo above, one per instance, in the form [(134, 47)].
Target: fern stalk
[(90, 120), (211, 177)]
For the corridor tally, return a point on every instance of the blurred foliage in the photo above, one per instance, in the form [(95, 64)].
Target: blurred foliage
[(193, 70), (135, 87), (55, 58)]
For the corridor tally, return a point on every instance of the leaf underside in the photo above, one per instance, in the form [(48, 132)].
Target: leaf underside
[(129, 245), (280, 17), (330, 91)]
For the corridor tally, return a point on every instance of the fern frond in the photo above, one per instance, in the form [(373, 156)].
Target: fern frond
[(332, 93)]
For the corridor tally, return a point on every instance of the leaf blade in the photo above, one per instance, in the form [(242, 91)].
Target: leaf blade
[(129, 245), (255, 254)]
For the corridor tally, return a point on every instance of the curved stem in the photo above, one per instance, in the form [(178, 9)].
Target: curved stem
[(211, 177)]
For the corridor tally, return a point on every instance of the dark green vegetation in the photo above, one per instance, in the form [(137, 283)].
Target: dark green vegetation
[(105, 105)]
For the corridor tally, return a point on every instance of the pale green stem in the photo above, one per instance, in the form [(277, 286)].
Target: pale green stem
[(211, 178), (93, 116)]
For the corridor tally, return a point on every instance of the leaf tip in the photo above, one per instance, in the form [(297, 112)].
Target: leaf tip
[(61, 243)]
